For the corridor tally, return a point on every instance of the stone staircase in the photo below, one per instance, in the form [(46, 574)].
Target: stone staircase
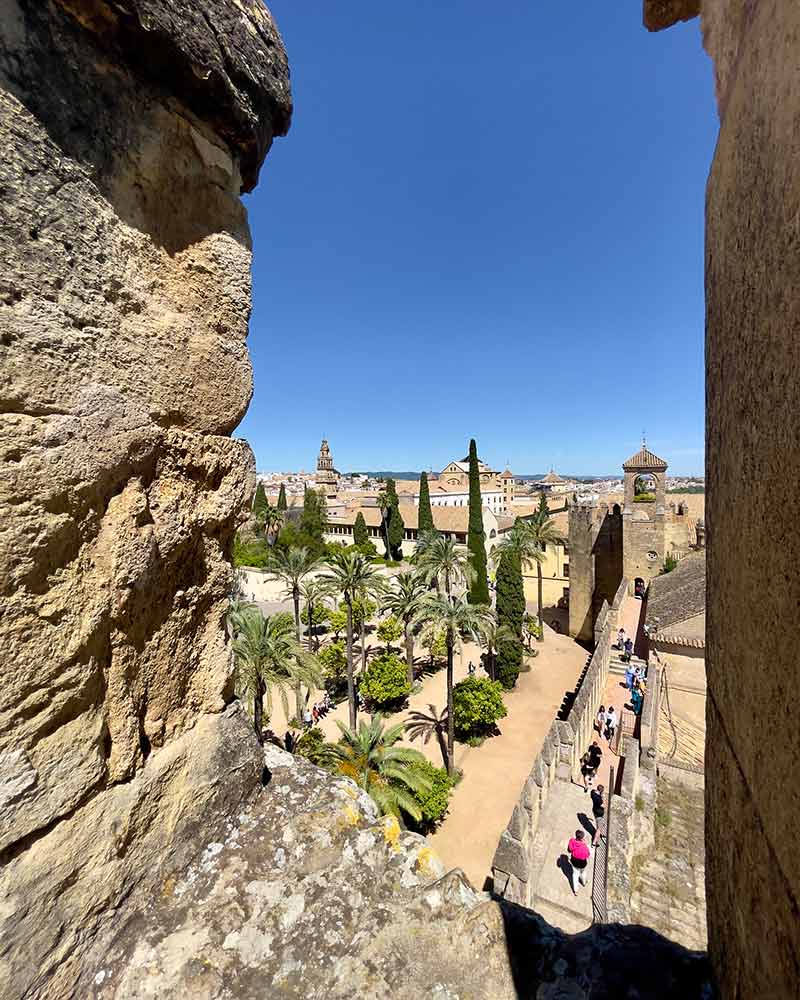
[(618, 666)]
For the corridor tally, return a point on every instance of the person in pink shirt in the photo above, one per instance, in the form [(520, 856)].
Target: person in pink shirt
[(579, 854)]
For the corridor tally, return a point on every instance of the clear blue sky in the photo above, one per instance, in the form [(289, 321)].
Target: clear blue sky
[(486, 221)]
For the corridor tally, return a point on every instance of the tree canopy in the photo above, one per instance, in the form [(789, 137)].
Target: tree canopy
[(425, 513), (360, 533), (260, 501)]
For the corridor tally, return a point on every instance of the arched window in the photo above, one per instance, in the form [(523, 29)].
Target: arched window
[(644, 488)]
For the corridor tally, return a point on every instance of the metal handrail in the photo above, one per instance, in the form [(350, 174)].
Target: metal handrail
[(600, 871)]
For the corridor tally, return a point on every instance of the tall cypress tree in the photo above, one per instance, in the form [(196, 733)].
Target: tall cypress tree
[(510, 611), (313, 520), (543, 511), (393, 525), (396, 528), (425, 515), (360, 533), (479, 590), (260, 501), (282, 505)]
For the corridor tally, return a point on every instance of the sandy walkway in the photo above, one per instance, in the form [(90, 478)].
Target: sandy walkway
[(494, 773)]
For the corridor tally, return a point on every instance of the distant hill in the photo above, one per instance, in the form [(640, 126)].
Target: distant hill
[(387, 474)]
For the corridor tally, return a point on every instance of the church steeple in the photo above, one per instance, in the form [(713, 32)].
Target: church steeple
[(327, 476)]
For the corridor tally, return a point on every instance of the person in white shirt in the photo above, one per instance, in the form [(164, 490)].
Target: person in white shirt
[(600, 721), (611, 723)]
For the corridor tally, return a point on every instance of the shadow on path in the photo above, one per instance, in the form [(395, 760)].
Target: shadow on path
[(605, 962)]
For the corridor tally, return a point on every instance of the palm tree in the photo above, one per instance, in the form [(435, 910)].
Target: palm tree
[(387, 772), (268, 656), (543, 532), (403, 601), (313, 593), (291, 566), (272, 519), (434, 723), (349, 573), (440, 559), (458, 619), (493, 634)]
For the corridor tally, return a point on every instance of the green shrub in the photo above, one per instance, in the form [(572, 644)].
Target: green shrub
[(438, 648), (291, 536), (644, 498), (477, 705), (337, 621), (250, 552), (433, 803), (670, 562), (313, 746), (333, 658), (385, 682), (389, 630), (320, 614), (367, 549), (530, 627)]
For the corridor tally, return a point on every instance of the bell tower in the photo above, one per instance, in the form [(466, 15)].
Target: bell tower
[(644, 517), (327, 477)]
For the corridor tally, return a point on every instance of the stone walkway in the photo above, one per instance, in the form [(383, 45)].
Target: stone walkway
[(668, 882), (568, 808)]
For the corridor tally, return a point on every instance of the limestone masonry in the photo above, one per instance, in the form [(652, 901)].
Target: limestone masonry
[(149, 846)]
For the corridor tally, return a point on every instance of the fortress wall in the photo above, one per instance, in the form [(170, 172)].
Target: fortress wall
[(128, 133), (752, 476)]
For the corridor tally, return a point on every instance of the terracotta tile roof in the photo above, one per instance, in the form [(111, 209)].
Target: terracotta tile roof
[(677, 596), (444, 518), (552, 477), (644, 459)]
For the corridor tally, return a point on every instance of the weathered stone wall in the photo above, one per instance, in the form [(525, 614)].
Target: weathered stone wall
[(753, 468), (608, 557), (644, 533), (128, 132), (583, 529)]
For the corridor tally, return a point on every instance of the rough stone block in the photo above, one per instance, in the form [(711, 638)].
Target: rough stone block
[(510, 857)]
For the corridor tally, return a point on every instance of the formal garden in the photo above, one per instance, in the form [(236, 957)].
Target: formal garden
[(361, 641)]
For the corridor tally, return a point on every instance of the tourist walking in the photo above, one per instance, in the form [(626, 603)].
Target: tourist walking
[(621, 640), (471, 669), (611, 723), (637, 697), (599, 812), (628, 649), (308, 719), (590, 762), (629, 675), (579, 854), (600, 721)]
